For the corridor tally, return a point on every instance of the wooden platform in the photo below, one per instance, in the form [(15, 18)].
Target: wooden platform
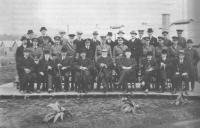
[(9, 91)]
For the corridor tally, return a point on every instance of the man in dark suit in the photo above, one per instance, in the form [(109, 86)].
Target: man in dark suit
[(79, 42), (110, 42), (192, 56), (135, 46), (19, 56), (95, 40), (30, 35), (62, 70), (141, 34), (165, 65), (26, 68), (41, 41), (180, 79), (153, 40), (46, 71), (83, 68)]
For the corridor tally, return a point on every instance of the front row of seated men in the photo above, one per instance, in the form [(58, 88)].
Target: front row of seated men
[(77, 74)]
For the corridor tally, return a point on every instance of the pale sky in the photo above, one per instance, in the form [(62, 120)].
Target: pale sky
[(17, 16)]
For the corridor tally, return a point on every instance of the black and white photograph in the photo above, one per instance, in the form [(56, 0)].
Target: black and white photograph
[(99, 64)]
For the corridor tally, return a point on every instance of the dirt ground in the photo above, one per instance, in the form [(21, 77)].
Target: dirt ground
[(97, 113), (7, 74)]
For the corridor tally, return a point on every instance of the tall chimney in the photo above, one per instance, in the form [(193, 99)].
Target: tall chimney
[(165, 21)]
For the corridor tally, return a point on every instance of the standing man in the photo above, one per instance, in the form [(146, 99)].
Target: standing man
[(79, 42), (30, 35), (167, 42), (135, 46), (62, 36), (141, 34), (56, 47), (95, 40), (71, 46), (109, 41), (153, 40), (121, 35), (19, 56), (181, 40), (174, 49), (43, 31), (36, 51), (192, 56)]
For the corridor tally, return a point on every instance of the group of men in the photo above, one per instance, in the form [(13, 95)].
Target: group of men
[(77, 64)]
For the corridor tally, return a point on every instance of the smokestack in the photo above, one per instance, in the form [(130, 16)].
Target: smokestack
[(165, 21)]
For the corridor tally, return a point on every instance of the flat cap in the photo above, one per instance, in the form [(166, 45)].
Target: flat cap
[(43, 28), (120, 31), (133, 32)]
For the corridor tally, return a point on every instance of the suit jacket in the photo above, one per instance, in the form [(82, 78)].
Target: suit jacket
[(136, 47), (43, 66), (29, 43), (41, 40), (167, 42), (26, 63), (85, 63), (181, 67), (126, 62), (90, 53), (19, 54), (173, 52), (79, 44), (182, 42), (153, 41), (71, 48), (108, 61), (146, 64), (112, 44)]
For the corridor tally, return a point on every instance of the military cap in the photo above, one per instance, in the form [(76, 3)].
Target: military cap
[(79, 33), (181, 52), (109, 34), (95, 33), (189, 41), (120, 31), (104, 50), (140, 31), (146, 38), (174, 38), (46, 51), (103, 37), (43, 28), (179, 30), (23, 38), (27, 50), (57, 37), (149, 53), (35, 39), (165, 31), (133, 32), (63, 49), (71, 35), (149, 30), (160, 38), (30, 32), (62, 32), (164, 51)]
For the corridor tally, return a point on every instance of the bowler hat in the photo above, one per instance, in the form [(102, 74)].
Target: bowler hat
[(149, 30), (30, 32)]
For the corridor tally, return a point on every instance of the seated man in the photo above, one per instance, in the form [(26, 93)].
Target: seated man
[(164, 69), (26, 66), (83, 67), (180, 80), (127, 67), (104, 66), (149, 68), (46, 71), (62, 70)]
